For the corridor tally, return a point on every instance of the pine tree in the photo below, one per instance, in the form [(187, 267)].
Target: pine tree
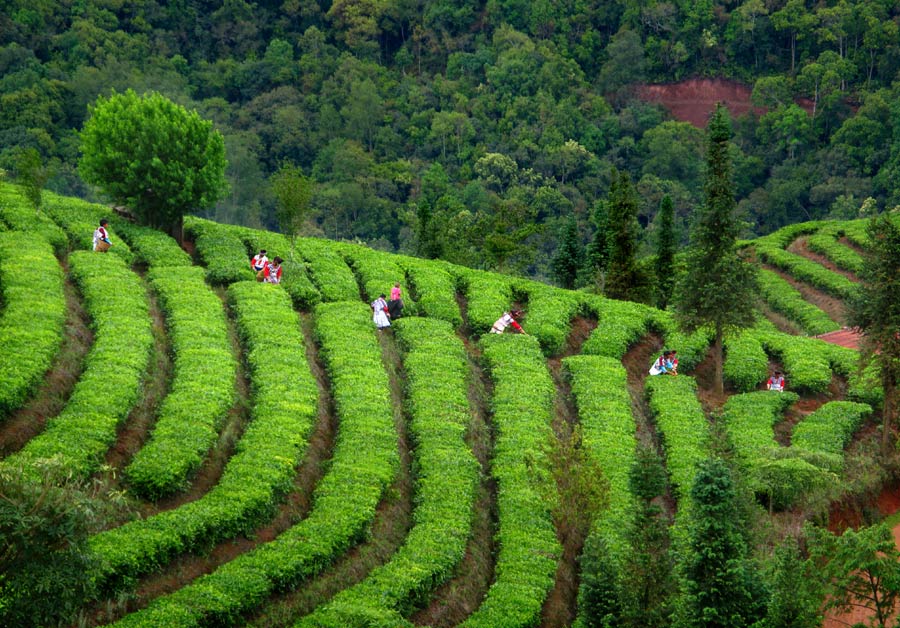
[(718, 288), (717, 583), (665, 253), (876, 311), (569, 256), (597, 257), (599, 595), (647, 572), (623, 281)]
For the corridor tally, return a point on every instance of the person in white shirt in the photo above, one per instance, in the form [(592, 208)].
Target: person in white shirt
[(259, 261)]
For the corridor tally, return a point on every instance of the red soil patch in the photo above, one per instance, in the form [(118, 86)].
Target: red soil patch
[(845, 337), (694, 100)]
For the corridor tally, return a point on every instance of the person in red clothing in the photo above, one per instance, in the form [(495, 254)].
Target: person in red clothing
[(508, 319), (259, 261), (272, 271), (776, 382)]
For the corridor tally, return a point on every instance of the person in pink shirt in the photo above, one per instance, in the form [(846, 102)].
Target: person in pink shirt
[(395, 305)]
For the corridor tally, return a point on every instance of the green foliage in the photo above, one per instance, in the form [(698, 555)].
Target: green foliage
[(79, 219), (797, 594), (434, 287), (220, 250), (623, 280), (377, 272), (116, 301), (860, 568), (150, 246), (488, 295), (33, 316), (599, 598), (619, 325), (285, 403), (44, 566), (808, 362), (293, 192), (32, 175), (448, 473), (329, 271), (18, 216), (665, 252), (825, 243), (746, 363), (154, 156), (202, 388), (528, 548), (784, 298), (808, 271), (683, 428), (830, 428), (568, 259), (364, 462), (750, 419), (719, 586), (550, 312)]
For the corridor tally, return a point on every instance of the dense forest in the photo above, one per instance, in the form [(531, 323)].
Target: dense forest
[(474, 131)]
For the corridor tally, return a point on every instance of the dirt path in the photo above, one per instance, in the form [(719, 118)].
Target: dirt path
[(832, 306), (800, 247)]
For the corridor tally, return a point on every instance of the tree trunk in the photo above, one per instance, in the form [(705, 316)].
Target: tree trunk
[(718, 358), (890, 390)]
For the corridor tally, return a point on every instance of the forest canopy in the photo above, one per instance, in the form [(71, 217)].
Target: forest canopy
[(476, 131)]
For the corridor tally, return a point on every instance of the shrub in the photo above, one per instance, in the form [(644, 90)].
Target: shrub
[(447, 477), (295, 278), (619, 325), (18, 214), (550, 314), (784, 298), (750, 419), (116, 301), (202, 388), (434, 287), (79, 219), (825, 243), (220, 250), (831, 427), (32, 321), (746, 363), (808, 271), (488, 296), (262, 468), (150, 246), (328, 270), (528, 548)]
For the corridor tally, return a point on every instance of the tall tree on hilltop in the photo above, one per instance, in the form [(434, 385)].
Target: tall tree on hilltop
[(718, 586), (623, 281), (718, 287), (569, 255), (293, 193), (876, 311), (665, 252), (154, 156)]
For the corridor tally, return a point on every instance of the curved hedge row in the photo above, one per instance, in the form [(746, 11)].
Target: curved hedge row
[(377, 272), (831, 427), (528, 548), (202, 387), (19, 215), (620, 324), (150, 246), (488, 296), (220, 250), (285, 405), (79, 219), (825, 243), (783, 237), (33, 316), (750, 419), (365, 461), (784, 298), (600, 388), (328, 270), (446, 481), (808, 271), (746, 363), (682, 425), (117, 303), (550, 314), (435, 289), (808, 362)]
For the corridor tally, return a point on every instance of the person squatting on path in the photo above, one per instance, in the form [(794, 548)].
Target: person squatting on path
[(776, 382), (508, 318), (380, 314), (101, 237), (395, 305), (665, 364), (272, 271)]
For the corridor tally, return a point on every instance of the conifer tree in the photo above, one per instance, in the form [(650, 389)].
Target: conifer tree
[(796, 591), (597, 255), (876, 311), (718, 288), (717, 583), (569, 256), (665, 252), (623, 281)]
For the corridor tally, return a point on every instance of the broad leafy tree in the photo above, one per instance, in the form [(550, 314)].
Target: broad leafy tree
[(718, 586), (718, 288), (876, 311), (796, 598), (861, 568), (293, 192), (154, 156), (33, 175)]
